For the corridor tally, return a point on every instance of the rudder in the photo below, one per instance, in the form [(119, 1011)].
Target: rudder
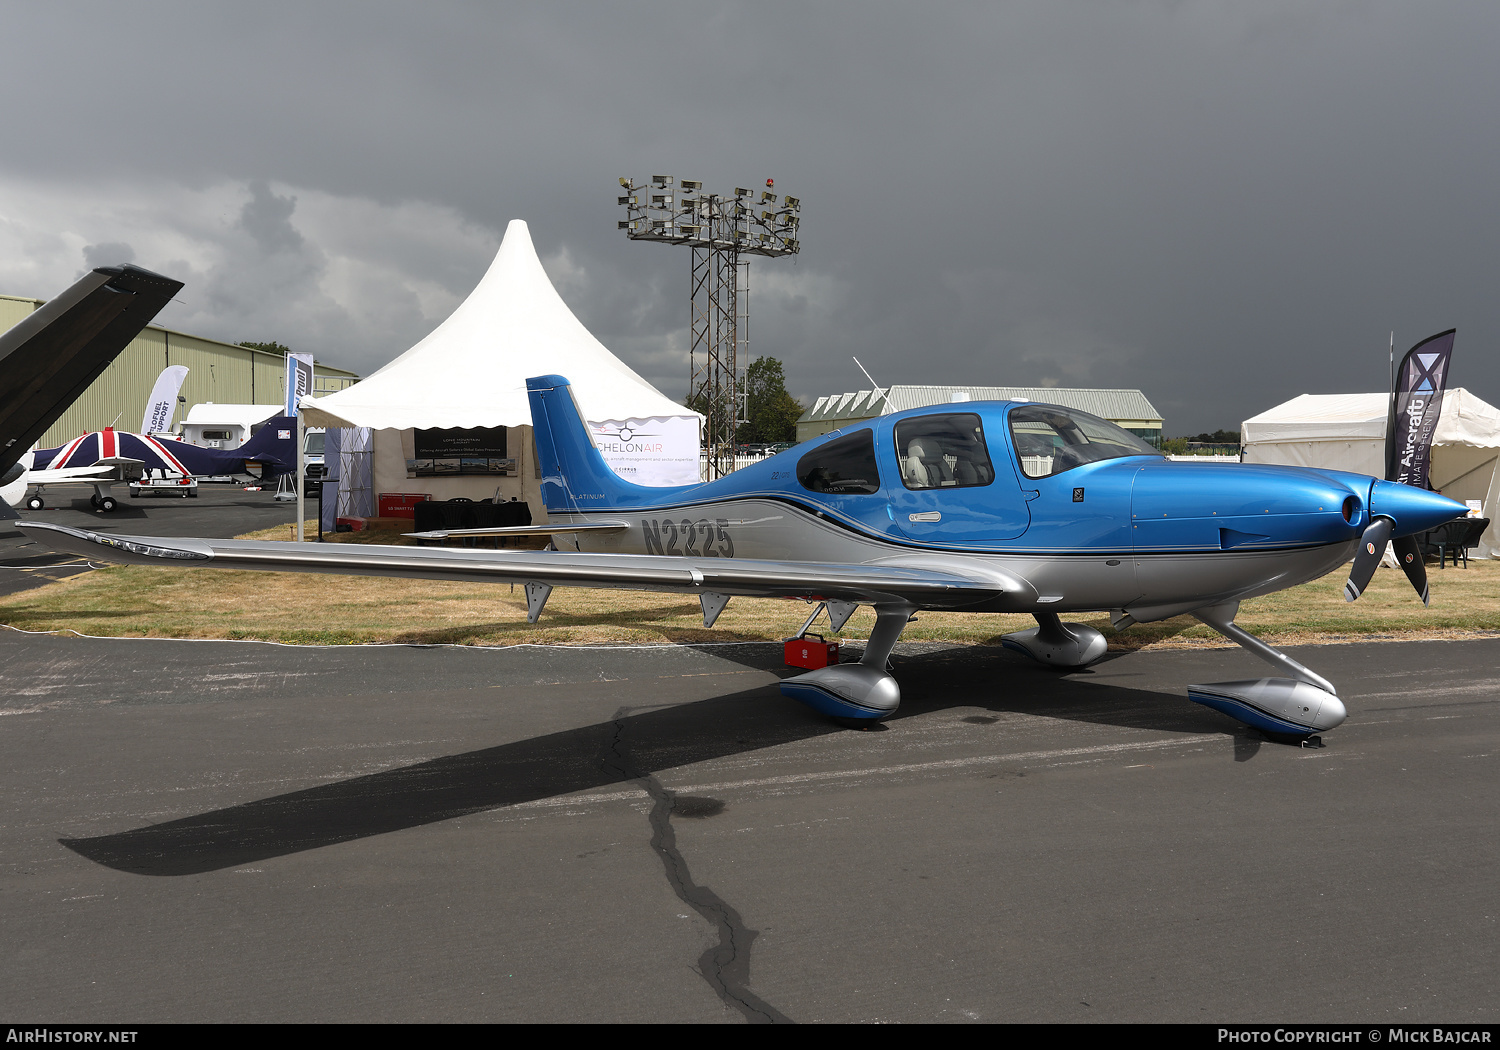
[(574, 474)]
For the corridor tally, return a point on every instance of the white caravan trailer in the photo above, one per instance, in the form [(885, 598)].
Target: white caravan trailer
[(225, 426)]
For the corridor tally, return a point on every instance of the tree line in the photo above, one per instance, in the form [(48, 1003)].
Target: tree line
[(772, 413)]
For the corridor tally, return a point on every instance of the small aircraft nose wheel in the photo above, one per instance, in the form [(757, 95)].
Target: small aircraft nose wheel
[(35, 503), (107, 504)]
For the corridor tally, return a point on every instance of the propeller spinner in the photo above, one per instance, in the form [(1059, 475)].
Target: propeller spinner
[(1411, 510)]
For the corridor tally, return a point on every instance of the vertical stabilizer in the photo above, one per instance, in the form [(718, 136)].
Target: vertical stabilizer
[(274, 445), (574, 474), (50, 357)]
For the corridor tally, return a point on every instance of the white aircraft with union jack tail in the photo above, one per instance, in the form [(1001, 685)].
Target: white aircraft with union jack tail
[(107, 457)]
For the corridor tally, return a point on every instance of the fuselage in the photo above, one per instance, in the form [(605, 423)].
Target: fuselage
[(274, 446), (992, 483)]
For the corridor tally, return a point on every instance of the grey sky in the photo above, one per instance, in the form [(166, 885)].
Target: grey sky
[(1225, 204)]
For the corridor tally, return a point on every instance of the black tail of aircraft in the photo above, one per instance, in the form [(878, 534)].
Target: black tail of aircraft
[(274, 447), (52, 356)]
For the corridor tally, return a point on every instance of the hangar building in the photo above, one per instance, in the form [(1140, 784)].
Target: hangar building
[(1125, 408), (218, 372)]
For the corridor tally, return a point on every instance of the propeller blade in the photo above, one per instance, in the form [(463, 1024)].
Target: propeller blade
[(1371, 549), (1409, 554)]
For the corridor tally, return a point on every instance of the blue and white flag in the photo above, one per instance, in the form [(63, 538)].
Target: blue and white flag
[(299, 380)]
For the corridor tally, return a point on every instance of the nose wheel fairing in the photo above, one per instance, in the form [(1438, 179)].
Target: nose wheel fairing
[(1304, 704), (1273, 705)]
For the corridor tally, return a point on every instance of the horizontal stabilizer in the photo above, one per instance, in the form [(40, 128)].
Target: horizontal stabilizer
[(63, 475)]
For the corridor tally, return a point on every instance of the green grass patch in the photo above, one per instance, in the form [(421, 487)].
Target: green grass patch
[(130, 601)]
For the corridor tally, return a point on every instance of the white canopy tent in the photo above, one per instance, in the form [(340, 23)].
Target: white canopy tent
[(1347, 432), (471, 372)]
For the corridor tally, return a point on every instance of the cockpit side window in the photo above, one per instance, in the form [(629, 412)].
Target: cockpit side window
[(844, 465), (946, 451), (1050, 440)]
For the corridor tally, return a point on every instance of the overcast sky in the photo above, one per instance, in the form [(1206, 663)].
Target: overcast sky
[(1223, 204)]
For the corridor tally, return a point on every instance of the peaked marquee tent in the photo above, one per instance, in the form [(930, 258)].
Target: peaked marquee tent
[(1347, 432), (471, 372)]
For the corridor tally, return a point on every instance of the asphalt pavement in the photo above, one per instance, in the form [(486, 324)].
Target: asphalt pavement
[(219, 510), (218, 831)]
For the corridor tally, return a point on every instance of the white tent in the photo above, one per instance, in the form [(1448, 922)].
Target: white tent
[(471, 371), (1347, 432)]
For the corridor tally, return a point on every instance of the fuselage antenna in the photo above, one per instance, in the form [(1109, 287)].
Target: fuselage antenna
[(867, 374)]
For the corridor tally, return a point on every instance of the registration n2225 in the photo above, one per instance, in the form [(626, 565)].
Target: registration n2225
[(685, 537)]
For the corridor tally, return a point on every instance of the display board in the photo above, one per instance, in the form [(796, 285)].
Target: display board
[(460, 451)]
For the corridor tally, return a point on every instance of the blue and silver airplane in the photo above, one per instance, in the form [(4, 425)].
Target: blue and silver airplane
[(1013, 507)]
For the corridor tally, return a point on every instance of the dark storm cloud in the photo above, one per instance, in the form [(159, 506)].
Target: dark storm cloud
[(112, 253), (267, 218), (1224, 204)]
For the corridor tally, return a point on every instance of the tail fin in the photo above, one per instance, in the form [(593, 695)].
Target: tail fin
[(274, 444), (574, 474), (54, 353)]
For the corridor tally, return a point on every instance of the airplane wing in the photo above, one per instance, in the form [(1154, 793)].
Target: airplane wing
[(51, 356), (63, 475), (928, 586), (15, 481)]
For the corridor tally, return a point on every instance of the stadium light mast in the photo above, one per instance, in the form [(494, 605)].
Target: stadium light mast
[(719, 230)]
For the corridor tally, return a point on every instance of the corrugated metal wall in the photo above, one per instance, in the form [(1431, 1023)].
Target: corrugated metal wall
[(218, 372), (13, 309)]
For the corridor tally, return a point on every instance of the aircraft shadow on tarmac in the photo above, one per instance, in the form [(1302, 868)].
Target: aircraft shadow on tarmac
[(589, 758), (123, 511)]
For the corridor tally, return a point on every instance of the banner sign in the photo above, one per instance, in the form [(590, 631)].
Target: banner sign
[(460, 450), (158, 417), (1414, 412), (658, 451), (299, 380)]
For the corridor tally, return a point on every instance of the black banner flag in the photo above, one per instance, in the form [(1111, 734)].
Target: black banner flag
[(1415, 408)]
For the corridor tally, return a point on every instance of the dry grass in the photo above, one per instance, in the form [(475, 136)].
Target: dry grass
[(314, 609)]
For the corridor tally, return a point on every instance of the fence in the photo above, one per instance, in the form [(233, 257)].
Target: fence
[(740, 462)]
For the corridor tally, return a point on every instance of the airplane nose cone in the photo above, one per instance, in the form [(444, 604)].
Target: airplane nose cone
[(1330, 713), (1413, 509)]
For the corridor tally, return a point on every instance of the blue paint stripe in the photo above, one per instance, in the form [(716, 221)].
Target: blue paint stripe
[(1249, 714)]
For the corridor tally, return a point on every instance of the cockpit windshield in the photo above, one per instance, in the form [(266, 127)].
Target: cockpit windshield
[(1050, 440)]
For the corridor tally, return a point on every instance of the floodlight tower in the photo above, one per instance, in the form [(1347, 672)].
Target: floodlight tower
[(719, 230)]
